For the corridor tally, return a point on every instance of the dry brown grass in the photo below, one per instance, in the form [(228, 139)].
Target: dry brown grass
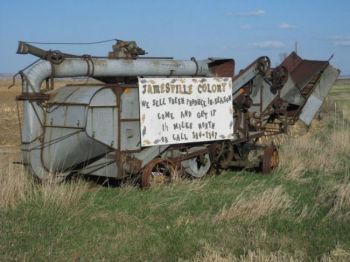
[(216, 255), (9, 127), (307, 213), (17, 186), (64, 195), (342, 198), (14, 188), (336, 196), (260, 205), (306, 154), (312, 152), (209, 254), (321, 147), (337, 254)]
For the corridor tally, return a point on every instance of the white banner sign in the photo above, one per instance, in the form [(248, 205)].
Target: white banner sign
[(185, 110)]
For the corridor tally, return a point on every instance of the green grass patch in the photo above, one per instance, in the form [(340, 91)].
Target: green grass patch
[(232, 216), (175, 221)]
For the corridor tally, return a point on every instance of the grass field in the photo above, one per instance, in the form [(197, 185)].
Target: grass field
[(300, 212)]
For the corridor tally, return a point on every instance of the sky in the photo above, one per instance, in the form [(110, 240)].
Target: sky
[(238, 29)]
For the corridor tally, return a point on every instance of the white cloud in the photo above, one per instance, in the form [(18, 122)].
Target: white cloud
[(245, 27), (258, 12), (341, 40), (340, 37), (286, 26), (268, 45), (342, 43)]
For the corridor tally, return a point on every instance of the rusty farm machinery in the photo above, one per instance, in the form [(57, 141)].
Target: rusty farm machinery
[(149, 117)]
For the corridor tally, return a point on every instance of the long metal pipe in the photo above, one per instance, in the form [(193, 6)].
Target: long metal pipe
[(98, 67)]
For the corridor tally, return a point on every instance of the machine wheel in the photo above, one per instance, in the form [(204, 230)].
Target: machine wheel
[(157, 172), (197, 166), (270, 159)]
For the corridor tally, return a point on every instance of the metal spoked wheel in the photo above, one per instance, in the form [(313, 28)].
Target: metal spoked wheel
[(270, 159), (198, 166), (158, 172)]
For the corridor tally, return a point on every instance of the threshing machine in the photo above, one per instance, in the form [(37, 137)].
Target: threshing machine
[(150, 116)]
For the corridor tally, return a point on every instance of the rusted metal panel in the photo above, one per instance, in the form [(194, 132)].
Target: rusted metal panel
[(222, 67), (102, 125), (302, 71), (130, 135), (130, 103), (310, 109), (291, 62), (309, 78), (314, 102), (79, 94), (66, 116)]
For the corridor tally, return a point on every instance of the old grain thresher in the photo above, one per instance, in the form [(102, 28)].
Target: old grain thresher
[(147, 116)]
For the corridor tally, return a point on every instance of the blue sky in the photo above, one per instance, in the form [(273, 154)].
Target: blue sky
[(239, 29)]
